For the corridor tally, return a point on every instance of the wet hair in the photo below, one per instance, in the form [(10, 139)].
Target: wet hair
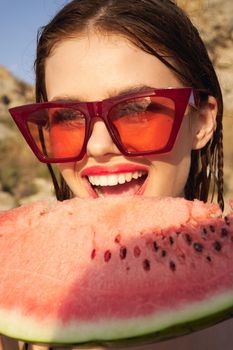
[(161, 28)]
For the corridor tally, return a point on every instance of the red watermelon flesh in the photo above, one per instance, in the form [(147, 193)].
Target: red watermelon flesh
[(104, 270)]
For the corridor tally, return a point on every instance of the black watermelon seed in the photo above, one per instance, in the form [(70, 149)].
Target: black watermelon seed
[(171, 240), (227, 220), (217, 246), (205, 231), (107, 255), (155, 245), (172, 265), (137, 251), (198, 247), (208, 258), (224, 232), (123, 252), (232, 239), (212, 228), (163, 253), (93, 254), (188, 238), (146, 265)]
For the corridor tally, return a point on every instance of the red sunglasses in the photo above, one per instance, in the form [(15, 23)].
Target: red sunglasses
[(144, 123)]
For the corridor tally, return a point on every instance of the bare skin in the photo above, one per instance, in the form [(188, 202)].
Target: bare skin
[(95, 67)]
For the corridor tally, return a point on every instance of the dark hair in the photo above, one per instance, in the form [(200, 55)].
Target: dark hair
[(162, 29)]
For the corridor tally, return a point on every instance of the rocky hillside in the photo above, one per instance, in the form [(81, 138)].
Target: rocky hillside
[(23, 178), (214, 19)]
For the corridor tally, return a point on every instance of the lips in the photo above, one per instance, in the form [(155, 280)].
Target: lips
[(122, 179)]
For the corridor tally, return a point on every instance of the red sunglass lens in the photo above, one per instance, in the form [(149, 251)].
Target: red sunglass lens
[(58, 132), (144, 124)]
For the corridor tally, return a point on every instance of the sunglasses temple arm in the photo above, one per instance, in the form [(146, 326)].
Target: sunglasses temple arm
[(194, 99)]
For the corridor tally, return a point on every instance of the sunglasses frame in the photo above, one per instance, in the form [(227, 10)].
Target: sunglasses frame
[(100, 110)]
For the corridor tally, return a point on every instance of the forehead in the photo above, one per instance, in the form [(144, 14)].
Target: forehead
[(95, 67)]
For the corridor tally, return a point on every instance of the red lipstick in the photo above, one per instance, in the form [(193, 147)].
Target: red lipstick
[(114, 169)]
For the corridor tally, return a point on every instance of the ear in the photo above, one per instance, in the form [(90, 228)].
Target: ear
[(206, 123)]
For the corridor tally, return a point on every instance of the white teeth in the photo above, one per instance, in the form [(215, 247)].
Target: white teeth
[(114, 179), (103, 180), (136, 175), (121, 179), (128, 177)]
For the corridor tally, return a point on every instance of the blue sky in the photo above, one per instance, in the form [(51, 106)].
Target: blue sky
[(19, 23)]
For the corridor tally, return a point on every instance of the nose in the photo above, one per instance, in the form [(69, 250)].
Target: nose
[(100, 142)]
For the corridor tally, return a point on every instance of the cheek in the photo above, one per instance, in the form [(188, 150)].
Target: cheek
[(168, 177), (71, 174), (169, 172), (184, 141), (67, 171)]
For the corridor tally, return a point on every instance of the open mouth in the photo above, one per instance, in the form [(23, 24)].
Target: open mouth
[(123, 184)]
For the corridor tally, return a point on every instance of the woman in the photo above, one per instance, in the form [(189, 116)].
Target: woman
[(129, 104)]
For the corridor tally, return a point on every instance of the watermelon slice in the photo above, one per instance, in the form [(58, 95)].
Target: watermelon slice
[(114, 270)]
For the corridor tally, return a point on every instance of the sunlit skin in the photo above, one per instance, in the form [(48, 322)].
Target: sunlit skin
[(94, 67)]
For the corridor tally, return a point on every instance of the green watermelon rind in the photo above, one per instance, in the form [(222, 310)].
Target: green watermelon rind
[(109, 333)]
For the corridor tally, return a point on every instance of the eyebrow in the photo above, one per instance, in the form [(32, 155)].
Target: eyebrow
[(114, 93)]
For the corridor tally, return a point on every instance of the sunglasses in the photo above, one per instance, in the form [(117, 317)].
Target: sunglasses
[(143, 123)]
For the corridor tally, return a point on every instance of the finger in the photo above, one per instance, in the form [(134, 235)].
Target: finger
[(37, 347)]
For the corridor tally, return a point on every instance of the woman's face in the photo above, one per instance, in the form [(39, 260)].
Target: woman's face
[(95, 67)]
